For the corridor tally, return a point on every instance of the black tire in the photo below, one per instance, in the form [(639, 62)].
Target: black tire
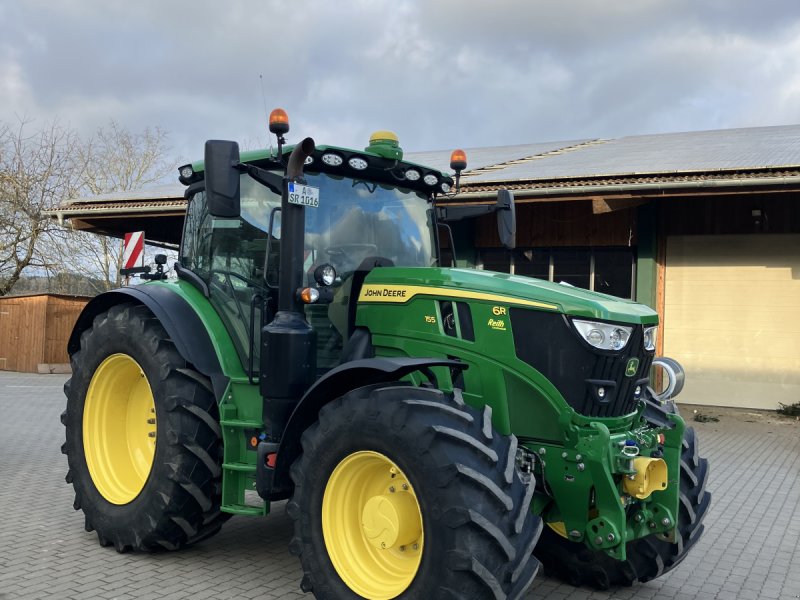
[(647, 558), (180, 501), (479, 531)]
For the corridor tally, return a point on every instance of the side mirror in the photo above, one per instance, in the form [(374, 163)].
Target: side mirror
[(506, 219), (222, 179)]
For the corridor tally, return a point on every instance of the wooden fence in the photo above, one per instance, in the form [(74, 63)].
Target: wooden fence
[(34, 331)]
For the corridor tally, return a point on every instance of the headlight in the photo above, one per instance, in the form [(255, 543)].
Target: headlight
[(325, 275), (650, 338), (606, 336)]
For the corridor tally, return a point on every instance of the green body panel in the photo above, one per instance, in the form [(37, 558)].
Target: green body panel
[(240, 410), (566, 299), (580, 458)]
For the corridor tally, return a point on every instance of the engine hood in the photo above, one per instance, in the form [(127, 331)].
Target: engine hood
[(400, 284)]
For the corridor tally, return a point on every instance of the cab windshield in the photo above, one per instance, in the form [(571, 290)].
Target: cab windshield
[(356, 219)]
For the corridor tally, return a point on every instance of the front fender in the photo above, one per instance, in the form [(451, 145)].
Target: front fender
[(334, 384), (180, 320)]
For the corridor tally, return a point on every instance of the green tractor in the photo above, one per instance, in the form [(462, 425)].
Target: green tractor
[(436, 431)]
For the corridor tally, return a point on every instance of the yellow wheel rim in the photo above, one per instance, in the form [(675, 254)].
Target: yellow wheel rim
[(119, 429), (559, 528), (372, 525)]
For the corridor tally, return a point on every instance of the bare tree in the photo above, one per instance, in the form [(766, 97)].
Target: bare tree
[(37, 172), (116, 160), (42, 169)]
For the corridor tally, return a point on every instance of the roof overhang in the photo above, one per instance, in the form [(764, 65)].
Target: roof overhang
[(158, 211), (619, 192)]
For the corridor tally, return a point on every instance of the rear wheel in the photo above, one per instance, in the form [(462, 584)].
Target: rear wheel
[(143, 437), (648, 558), (406, 492)]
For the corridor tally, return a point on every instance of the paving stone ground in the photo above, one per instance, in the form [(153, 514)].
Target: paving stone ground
[(750, 549)]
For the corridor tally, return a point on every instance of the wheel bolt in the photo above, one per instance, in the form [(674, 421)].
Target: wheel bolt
[(638, 518), (405, 486), (665, 522), (610, 537), (651, 525), (391, 489), (581, 467), (415, 546), (564, 455), (598, 540)]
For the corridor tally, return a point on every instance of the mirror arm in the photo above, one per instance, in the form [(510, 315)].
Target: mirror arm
[(268, 178), (450, 214), (452, 243)]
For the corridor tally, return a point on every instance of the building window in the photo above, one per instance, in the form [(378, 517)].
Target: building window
[(608, 270)]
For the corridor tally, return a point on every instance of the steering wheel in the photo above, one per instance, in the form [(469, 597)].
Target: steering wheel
[(347, 257), (345, 249)]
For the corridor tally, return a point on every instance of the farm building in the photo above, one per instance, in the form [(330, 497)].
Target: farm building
[(34, 331), (703, 226)]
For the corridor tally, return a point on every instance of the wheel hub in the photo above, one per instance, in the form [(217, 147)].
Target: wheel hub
[(391, 520)]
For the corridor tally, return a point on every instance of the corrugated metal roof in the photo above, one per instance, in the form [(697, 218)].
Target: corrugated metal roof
[(478, 158), (666, 156), (698, 151), (702, 151), (169, 191), (156, 204)]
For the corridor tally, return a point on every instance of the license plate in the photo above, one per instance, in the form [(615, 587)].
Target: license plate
[(304, 195)]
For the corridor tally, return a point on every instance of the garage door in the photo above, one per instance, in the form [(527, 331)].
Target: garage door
[(732, 318)]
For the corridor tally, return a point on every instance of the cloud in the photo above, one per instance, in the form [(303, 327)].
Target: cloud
[(442, 74)]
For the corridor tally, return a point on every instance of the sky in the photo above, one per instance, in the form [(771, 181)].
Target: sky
[(441, 74)]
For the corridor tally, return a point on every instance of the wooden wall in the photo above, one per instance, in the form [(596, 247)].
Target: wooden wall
[(731, 214), (553, 224), (34, 330)]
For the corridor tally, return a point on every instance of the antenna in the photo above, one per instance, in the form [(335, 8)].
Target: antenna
[(266, 112)]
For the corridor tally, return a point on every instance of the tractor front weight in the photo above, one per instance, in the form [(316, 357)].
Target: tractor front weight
[(605, 487)]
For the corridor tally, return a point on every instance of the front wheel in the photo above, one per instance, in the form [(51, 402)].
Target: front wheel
[(406, 492)]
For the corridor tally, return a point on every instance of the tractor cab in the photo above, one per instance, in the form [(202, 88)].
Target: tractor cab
[(351, 211), (239, 257)]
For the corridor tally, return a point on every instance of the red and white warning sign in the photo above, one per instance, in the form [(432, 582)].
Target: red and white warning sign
[(133, 249)]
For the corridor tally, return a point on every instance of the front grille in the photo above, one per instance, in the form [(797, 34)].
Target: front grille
[(548, 343)]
